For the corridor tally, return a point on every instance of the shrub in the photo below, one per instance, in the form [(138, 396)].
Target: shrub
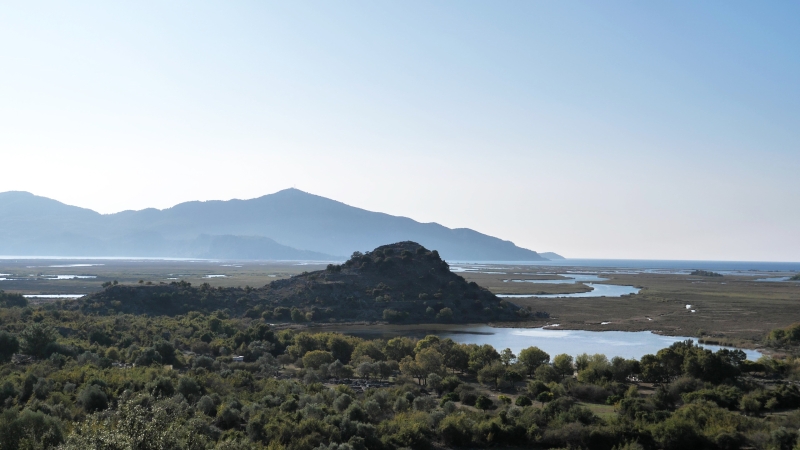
[(467, 398), (189, 388), (523, 400), (393, 316), (92, 398)]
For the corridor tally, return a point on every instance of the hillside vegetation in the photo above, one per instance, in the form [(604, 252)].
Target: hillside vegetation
[(402, 282), (69, 380)]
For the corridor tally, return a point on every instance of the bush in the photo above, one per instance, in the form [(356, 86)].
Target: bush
[(449, 397), (189, 388), (203, 361), (92, 398), (206, 406), (394, 316), (589, 392), (523, 400), (483, 402), (162, 387), (148, 357), (467, 398)]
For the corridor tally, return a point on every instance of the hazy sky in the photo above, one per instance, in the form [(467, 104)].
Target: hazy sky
[(665, 130)]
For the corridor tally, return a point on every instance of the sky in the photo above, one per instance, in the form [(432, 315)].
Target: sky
[(653, 130)]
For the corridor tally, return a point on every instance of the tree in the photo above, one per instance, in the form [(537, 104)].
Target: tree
[(456, 356), (483, 403), (507, 357), (532, 358), (482, 355), (563, 365), (36, 338), (493, 372), (148, 357), (9, 344), (429, 341), (398, 348), (316, 358), (445, 314), (339, 370), (341, 348), (8, 300), (368, 350), (435, 382), (426, 362), (297, 315), (365, 369), (411, 367), (430, 360)]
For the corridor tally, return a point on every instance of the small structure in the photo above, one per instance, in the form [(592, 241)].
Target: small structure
[(238, 359)]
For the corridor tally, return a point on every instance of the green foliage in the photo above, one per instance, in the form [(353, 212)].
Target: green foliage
[(483, 402), (29, 429), (37, 339), (92, 398), (532, 358), (77, 399), (11, 300), (9, 344)]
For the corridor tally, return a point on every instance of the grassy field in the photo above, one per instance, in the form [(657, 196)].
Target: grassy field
[(732, 309), (36, 276)]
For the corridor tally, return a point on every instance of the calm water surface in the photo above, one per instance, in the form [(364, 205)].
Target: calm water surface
[(553, 341), (598, 290)]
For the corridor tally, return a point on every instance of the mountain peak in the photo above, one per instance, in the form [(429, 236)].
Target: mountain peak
[(290, 217)]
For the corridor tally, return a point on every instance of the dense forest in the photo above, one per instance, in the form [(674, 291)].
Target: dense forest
[(399, 283), (74, 380)]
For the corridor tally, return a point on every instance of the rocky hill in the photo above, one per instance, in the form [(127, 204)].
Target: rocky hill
[(402, 282)]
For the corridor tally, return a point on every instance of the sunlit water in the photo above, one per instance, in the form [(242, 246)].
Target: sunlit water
[(598, 290), (573, 342)]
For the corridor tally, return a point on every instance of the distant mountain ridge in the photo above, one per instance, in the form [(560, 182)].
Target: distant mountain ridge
[(289, 224)]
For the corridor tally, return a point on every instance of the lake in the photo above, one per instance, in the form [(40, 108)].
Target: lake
[(598, 290), (573, 342)]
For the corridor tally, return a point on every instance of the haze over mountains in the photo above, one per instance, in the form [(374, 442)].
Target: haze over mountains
[(287, 225)]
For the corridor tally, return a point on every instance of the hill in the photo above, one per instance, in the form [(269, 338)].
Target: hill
[(292, 221), (402, 282), (551, 256)]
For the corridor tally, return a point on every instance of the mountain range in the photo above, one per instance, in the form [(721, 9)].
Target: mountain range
[(287, 225)]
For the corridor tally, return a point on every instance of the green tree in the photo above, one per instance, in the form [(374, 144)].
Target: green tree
[(9, 344), (532, 358), (507, 357), (316, 358), (483, 403), (398, 348), (494, 373), (36, 338), (563, 365), (297, 315)]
